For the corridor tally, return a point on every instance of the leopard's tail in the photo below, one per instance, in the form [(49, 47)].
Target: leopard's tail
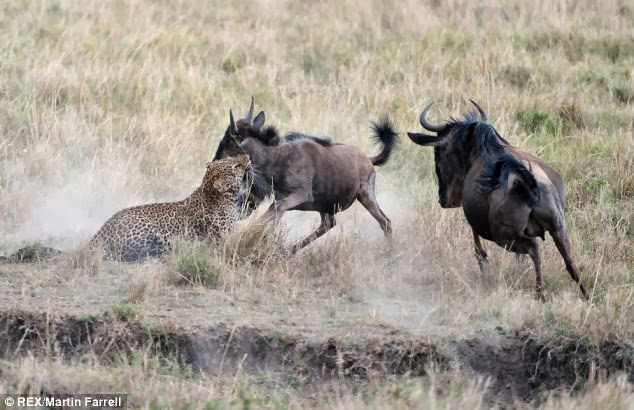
[(30, 253)]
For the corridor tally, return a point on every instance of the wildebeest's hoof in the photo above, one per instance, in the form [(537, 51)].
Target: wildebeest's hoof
[(540, 297)]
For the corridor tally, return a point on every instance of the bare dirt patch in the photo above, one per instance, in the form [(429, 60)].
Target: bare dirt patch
[(521, 368)]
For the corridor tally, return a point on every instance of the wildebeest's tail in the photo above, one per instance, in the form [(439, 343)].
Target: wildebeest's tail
[(510, 173), (387, 137)]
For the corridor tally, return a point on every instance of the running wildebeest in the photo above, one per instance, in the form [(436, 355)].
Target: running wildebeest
[(508, 196), (308, 173)]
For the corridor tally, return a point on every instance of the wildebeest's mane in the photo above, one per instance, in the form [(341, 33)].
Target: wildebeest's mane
[(267, 135), (486, 139), (495, 174), (469, 118), (295, 136), (271, 137)]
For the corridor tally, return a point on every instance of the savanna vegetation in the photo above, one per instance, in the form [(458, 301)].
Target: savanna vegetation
[(109, 104)]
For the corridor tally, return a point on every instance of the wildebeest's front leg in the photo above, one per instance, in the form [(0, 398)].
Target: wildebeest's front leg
[(278, 208), (533, 252), (327, 223), (560, 236), (481, 254)]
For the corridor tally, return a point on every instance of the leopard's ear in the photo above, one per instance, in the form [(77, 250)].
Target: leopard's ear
[(218, 185)]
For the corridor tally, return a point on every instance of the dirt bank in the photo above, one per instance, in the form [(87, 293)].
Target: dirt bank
[(518, 367), (213, 350)]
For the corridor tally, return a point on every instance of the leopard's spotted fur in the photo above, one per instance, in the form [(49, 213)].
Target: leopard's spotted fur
[(146, 230)]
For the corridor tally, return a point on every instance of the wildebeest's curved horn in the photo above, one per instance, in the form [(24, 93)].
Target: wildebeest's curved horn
[(232, 123), (250, 113), (428, 126), (483, 114)]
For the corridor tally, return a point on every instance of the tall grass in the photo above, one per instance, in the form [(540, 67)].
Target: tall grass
[(109, 104)]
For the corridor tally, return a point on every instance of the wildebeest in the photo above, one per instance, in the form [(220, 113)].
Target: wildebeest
[(508, 196), (309, 173)]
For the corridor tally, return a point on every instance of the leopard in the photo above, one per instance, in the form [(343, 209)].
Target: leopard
[(143, 231)]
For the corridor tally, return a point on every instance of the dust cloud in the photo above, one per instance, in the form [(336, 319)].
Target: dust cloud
[(66, 216)]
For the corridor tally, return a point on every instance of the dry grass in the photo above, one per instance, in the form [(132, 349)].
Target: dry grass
[(163, 385), (104, 105)]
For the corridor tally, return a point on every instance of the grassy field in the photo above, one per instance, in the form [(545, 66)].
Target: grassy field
[(105, 105)]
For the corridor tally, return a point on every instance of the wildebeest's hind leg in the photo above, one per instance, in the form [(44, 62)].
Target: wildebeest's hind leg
[(327, 223), (533, 252), (563, 245), (368, 200), (481, 254)]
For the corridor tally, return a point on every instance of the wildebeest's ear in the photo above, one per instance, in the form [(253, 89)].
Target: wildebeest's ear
[(258, 122), (427, 140)]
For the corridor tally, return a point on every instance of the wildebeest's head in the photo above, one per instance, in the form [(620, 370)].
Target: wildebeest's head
[(454, 143), (237, 131)]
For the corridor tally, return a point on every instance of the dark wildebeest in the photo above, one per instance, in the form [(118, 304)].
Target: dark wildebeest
[(509, 197), (308, 173)]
